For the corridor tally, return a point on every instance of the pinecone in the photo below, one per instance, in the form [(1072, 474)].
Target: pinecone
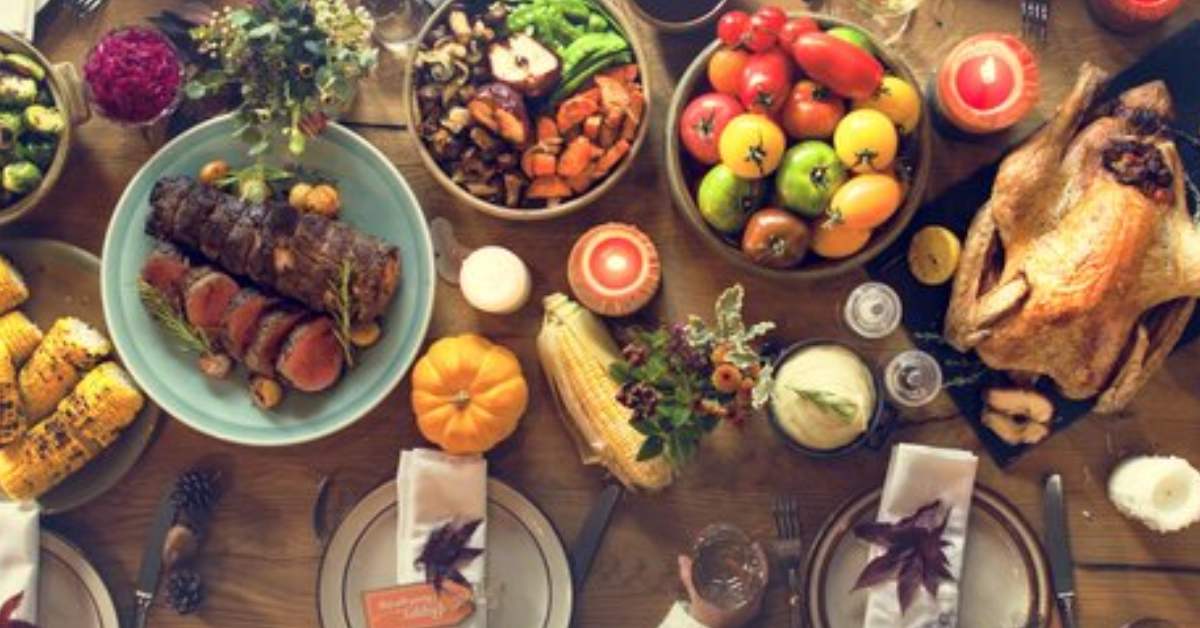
[(196, 492), (185, 591)]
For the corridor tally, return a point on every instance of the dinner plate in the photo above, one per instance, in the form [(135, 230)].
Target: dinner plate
[(376, 199), (529, 578), (1005, 581), (71, 593), (64, 280)]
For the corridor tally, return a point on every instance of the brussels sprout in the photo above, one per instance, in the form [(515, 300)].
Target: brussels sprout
[(21, 177), (23, 65), (38, 149), (17, 91), (254, 190), (10, 128), (44, 120)]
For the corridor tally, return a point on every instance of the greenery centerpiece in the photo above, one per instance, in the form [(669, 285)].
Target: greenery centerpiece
[(682, 380), (295, 63)]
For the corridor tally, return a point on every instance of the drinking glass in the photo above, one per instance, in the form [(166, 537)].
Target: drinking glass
[(891, 18), (913, 378), (728, 571), (397, 22)]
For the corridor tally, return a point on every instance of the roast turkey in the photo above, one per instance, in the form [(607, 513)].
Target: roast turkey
[(1085, 263)]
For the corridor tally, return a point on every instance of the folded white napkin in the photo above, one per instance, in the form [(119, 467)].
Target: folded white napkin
[(19, 550), (916, 476), (433, 489), (18, 16)]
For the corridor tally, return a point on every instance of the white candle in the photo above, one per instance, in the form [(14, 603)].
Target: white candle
[(493, 279), (1162, 492)]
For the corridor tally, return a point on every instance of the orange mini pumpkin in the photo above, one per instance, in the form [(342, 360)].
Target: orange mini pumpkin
[(468, 394)]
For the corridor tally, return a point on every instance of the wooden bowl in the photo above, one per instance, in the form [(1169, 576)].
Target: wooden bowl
[(66, 87), (510, 213), (684, 173)]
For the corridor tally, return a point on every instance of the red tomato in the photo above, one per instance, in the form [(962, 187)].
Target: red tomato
[(766, 80), (759, 36), (731, 29), (838, 64), (811, 111), (773, 18), (701, 124), (796, 27), (725, 70)]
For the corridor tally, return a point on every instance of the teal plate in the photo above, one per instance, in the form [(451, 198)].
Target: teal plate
[(376, 199)]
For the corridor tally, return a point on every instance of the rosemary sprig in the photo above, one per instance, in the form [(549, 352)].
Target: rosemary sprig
[(165, 312), (342, 316), (830, 402)]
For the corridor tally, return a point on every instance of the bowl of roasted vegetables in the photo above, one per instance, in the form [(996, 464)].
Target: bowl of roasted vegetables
[(35, 124), (796, 145), (528, 109)]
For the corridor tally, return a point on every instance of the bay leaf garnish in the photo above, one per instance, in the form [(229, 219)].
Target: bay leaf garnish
[(829, 402)]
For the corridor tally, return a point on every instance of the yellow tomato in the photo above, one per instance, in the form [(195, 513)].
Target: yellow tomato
[(752, 145), (898, 100), (933, 255), (837, 241), (866, 201), (866, 141)]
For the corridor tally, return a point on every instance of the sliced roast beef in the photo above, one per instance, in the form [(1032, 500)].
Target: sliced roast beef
[(311, 359), (241, 320), (273, 329), (207, 296), (298, 255), (165, 270)]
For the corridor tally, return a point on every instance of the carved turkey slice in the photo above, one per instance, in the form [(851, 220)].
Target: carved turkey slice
[(1085, 263)]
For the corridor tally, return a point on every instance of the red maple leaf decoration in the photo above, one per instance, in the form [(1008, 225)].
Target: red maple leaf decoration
[(7, 610)]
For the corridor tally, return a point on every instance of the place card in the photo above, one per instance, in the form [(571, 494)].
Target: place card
[(418, 606)]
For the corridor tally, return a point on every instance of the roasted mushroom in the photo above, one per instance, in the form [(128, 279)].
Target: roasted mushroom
[(525, 64), (500, 109)]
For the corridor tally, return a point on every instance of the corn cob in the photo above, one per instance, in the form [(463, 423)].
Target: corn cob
[(87, 421), (12, 421), (13, 290), (19, 335), (70, 348), (576, 352), (102, 405)]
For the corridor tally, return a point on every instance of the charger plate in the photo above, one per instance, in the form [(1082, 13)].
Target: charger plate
[(71, 593)]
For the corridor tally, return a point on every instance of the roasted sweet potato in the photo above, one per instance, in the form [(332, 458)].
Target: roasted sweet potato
[(625, 73), (547, 129), (608, 136), (613, 94), (629, 129), (538, 163), (611, 157), (574, 110), (584, 180), (591, 126), (551, 187), (578, 155)]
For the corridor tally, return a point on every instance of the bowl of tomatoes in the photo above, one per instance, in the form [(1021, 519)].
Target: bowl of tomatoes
[(796, 144)]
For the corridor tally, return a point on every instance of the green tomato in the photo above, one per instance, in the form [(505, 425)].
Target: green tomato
[(726, 200), (852, 35), (809, 175)]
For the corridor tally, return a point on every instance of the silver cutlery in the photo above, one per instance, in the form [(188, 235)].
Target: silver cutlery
[(152, 559), (1035, 19), (790, 552), (1058, 546)]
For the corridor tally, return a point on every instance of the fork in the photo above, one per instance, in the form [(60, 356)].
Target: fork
[(790, 550), (1035, 19), (84, 8)]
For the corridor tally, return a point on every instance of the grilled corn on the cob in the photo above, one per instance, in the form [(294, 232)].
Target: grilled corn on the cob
[(12, 421), (19, 335), (576, 352), (13, 290), (70, 348), (87, 421)]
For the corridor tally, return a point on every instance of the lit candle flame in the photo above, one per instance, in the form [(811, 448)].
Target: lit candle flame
[(987, 71), (616, 263)]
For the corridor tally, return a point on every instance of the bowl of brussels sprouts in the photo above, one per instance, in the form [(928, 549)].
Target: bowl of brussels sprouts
[(39, 103)]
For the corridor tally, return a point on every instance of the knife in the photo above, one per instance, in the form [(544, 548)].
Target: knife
[(1058, 546), (592, 534), (152, 554)]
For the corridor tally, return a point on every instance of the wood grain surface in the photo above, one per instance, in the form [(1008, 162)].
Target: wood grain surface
[(261, 561)]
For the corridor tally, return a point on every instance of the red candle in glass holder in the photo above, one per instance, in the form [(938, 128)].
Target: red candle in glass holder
[(614, 269), (987, 83), (1131, 16)]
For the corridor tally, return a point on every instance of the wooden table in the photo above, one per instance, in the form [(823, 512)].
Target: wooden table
[(261, 562)]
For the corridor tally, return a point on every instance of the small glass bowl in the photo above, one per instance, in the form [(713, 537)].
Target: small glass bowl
[(167, 111)]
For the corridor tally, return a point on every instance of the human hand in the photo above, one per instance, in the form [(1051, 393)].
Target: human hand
[(710, 614)]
